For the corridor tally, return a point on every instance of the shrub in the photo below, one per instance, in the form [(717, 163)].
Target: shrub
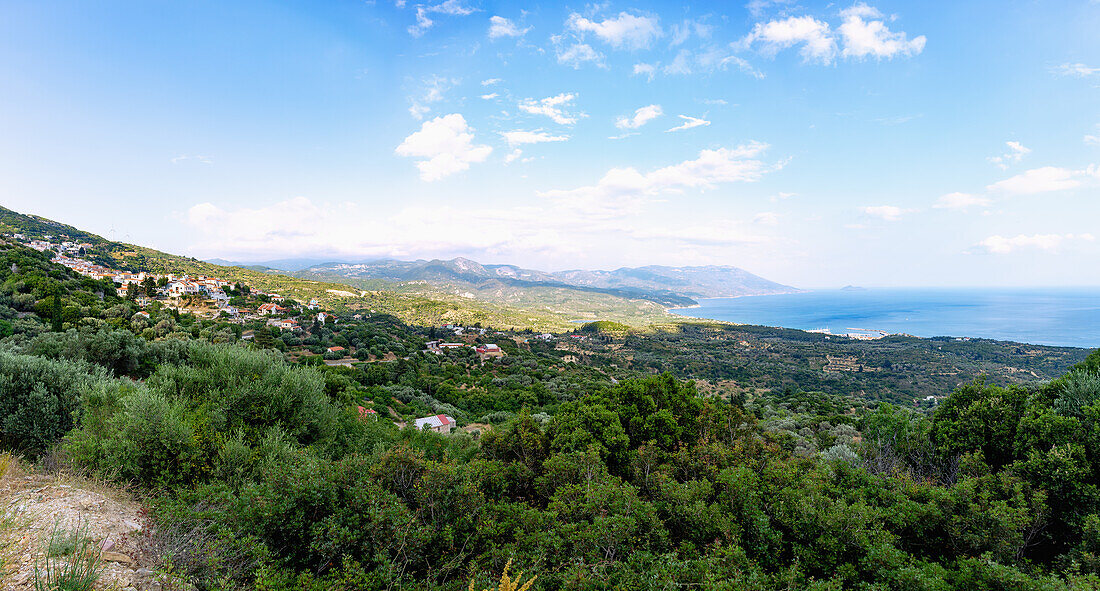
[(39, 398)]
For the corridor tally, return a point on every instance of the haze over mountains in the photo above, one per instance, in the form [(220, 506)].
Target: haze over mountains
[(675, 286)]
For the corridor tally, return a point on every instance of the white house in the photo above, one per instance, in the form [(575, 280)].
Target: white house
[(437, 423)]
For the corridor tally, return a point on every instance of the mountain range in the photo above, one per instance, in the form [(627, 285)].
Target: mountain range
[(432, 291), (669, 286)]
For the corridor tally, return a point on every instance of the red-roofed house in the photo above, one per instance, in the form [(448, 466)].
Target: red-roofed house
[(268, 309), (367, 412), (438, 423)]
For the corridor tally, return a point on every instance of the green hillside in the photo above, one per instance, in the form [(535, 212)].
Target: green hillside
[(554, 309)]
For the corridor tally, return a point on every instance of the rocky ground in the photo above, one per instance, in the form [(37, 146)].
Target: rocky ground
[(34, 505)]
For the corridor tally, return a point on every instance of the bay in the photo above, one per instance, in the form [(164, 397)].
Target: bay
[(1060, 317)]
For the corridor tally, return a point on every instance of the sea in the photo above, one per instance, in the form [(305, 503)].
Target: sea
[(1059, 317)]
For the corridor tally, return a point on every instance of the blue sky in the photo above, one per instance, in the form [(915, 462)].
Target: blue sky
[(880, 143)]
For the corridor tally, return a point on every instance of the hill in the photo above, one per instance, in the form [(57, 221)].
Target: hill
[(572, 292), (710, 281), (553, 307)]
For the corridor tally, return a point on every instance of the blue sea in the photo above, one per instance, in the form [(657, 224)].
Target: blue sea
[(1063, 317)]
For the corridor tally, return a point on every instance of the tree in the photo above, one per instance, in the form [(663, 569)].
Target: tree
[(263, 338), (149, 286)]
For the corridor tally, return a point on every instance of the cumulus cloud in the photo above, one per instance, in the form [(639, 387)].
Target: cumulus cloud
[(865, 34), (861, 33), (490, 96), (519, 138), (444, 146), (1043, 180), (890, 213), (502, 27), (641, 116), (514, 155), (447, 7), (689, 122), (625, 31), (553, 107), (1045, 242), (647, 70), (490, 81), (578, 54), (1016, 152), (961, 201), (814, 37), (623, 190)]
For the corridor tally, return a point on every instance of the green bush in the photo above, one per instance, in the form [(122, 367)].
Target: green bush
[(39, 399)]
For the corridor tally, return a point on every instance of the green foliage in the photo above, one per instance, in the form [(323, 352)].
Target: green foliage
[(38, 399)]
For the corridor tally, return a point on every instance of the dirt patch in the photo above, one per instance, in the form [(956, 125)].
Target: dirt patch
[(34, 506)]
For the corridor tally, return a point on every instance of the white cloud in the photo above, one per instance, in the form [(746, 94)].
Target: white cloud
[(757, 8), (519, 137), (447, 7), (689, 122), (433, 91), (890, 213), (766, 218), (683, 31), (871, 37), (553, 107), (490, 81), (862, 33), (1016, 152), (647, 70), (1092, 140), (1041, 180), (502, 27), (961, 201), (445, 146), (625, 31), (625, 190), (579, 54), (709, 60), (490, 96), (193, 158), (1046, 242), (725, 232), (813, 35), (641, 116), (1077, 70)]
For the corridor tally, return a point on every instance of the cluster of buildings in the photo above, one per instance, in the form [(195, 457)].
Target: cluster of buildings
[(170, 286), (62, 248), (485, 351)]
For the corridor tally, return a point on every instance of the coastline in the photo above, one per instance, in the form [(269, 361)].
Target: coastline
[(1056, 318)]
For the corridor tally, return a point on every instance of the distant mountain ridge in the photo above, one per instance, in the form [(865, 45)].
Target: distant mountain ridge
[(674, 286)]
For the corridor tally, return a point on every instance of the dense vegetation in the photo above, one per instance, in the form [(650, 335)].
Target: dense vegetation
[(591, 461), (640, 485)]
